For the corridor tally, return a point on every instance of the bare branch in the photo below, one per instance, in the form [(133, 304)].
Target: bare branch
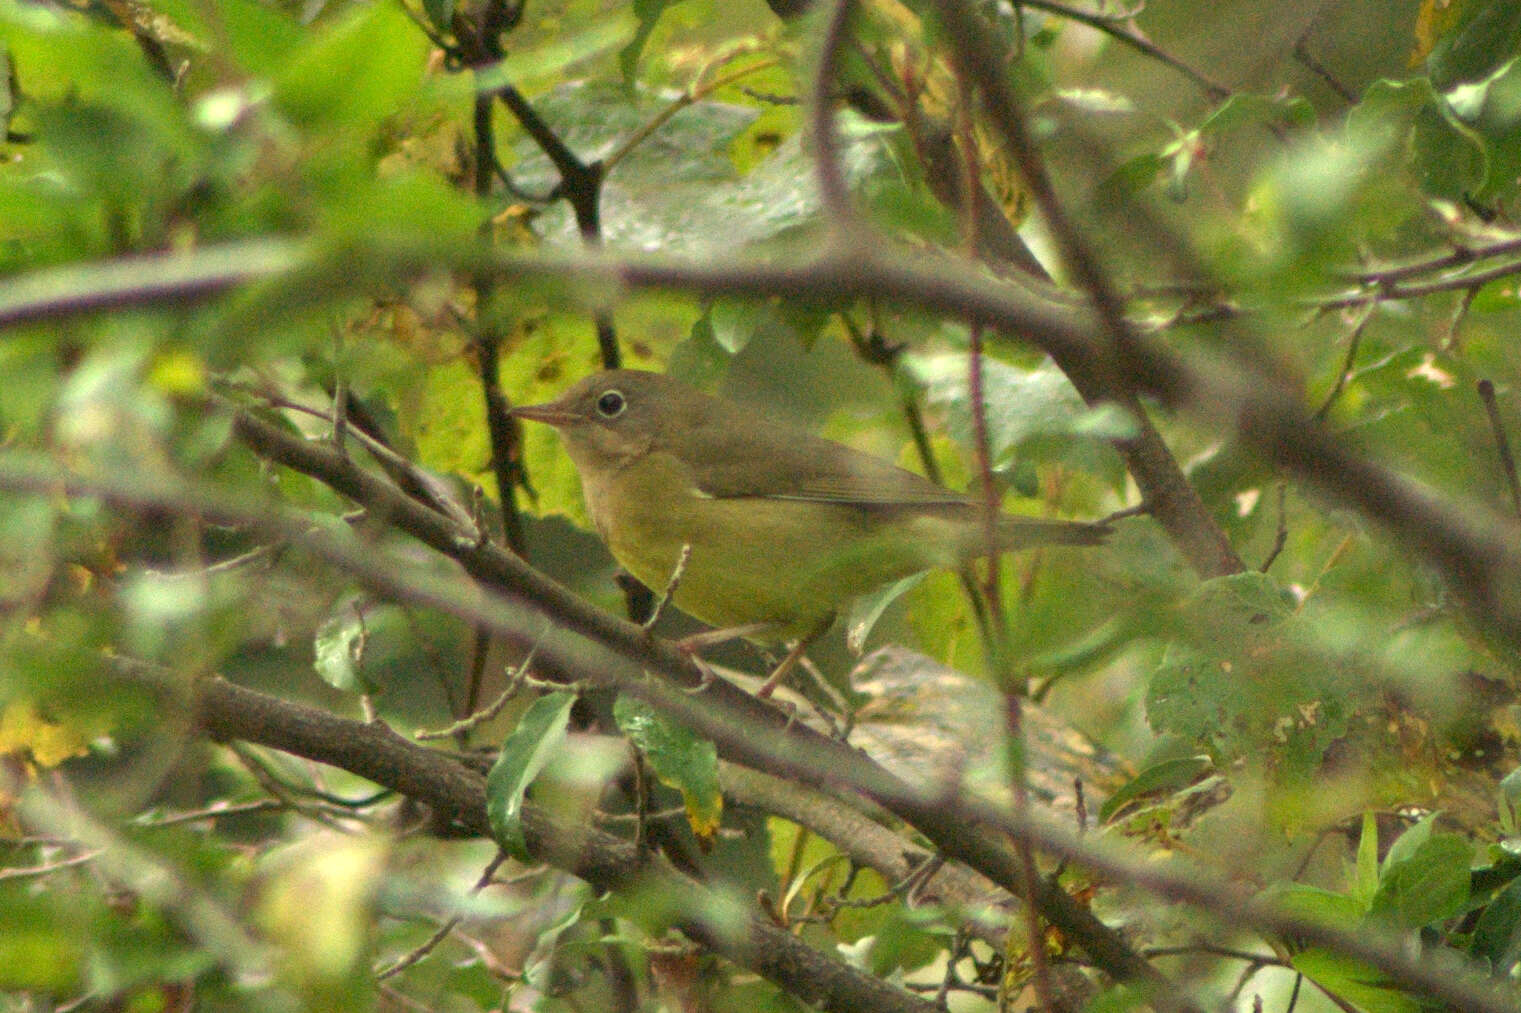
[(834, 193)]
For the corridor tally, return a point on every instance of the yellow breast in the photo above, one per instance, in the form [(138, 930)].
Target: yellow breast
[(753, 559)]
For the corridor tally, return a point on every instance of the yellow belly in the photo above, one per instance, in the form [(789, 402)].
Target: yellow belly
[(754, 560)]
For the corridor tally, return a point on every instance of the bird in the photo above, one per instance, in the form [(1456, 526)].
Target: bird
[(766, 528)]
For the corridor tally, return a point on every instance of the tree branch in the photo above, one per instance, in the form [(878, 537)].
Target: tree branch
[(962, 828), (1478, 550), (736, 721), (373, 751), (1168, 495), (1110, 26), (834, 193)]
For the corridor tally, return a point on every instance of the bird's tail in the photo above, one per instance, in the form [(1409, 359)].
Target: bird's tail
[(1028, 532)]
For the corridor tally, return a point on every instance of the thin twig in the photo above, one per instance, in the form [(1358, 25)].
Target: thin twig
[(1459, 256), (974, 53), (216, 812), (505, 433), (1345, 374), (1110, 25), (48, 868), (1281, 535), (517, 677), (1266, 959), (878, 351), (1116, 370), (691, 96), (427, 946), (1459, 314), (1502, 442), (990, 505), (340, 406), (1314, 66), (1017, 752), (670, 587), (227, 711), (995, 628), (1417, 290), (431, 491)]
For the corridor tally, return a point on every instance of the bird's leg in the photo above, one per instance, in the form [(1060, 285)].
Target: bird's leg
[(693, 645), (794, 655), (712, 638)]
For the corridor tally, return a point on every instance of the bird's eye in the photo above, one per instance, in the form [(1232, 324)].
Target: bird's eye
[(611, 404)]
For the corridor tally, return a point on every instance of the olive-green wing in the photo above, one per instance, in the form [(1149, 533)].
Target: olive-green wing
[(746, 457), (742, 457)]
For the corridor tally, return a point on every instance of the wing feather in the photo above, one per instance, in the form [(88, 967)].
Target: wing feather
[(788, 462)]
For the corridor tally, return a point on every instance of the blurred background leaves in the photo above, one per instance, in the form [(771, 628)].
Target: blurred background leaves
[(1262, 208)]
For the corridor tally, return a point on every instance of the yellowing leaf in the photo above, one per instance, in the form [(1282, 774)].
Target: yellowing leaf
[(680, 760), (177, 372), (40, 742), (1435, 19)]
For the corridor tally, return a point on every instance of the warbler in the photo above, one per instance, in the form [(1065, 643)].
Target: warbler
[(781, 527)]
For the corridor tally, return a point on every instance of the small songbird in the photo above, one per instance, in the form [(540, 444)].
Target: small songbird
[(784, 527)]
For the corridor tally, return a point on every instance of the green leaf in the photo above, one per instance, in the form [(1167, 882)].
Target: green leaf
[(679, 188), (1243, 677), (336, 650), (528, 748), (1366, 883), (906, 939), (1492, 109), (1248, 110), (699, 359), (1497, 933), (440, 14), (900, 207), (1510, 802), (1130, 177), (679, 759), (540, 964), (1160, 778), (862, 613), (1238, 610), (354, 73), (443, 420), (1428, 886), (1411, 121), (594, 117), (1489, 31), (1354, 981), (1407, 843), (528, 68), (1021, 405), (648, 13), (1313, 904), (734, 322), (260, 38), (40, 950)]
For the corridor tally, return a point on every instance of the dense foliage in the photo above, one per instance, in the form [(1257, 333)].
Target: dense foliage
[(316, 690)]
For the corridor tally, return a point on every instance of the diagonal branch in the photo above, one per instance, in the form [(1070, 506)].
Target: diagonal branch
[(1476, 550), (1169, 496), (373, 751), (745, 729), (961, 828), (1111, 27), (834, 193)]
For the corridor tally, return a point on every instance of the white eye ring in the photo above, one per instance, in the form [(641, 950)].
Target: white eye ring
[(611, 404)]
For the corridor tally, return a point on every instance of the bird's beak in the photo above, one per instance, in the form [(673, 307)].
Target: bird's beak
[(551, 413)]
